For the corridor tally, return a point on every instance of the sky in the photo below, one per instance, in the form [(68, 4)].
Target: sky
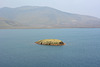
[(83, 7)]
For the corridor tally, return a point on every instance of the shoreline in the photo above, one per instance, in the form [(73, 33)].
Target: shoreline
[(51, 28)]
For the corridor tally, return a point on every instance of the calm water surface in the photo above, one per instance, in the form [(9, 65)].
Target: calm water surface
[(82, 49)]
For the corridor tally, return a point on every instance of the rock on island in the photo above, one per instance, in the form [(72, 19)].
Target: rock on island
[(54, 42)]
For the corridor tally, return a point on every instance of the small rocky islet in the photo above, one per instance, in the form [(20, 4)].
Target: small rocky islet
[(54, 42)]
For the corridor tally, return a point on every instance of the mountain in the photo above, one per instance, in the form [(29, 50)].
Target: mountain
[(5, 23), (44, 17)]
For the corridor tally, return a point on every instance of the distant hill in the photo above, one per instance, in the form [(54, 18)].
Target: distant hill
[(44, 17), (5, 23)]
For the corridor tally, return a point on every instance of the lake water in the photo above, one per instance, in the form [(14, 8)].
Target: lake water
[(82, 49)]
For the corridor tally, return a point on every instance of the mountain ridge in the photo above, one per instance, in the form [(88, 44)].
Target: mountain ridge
[(45, 17)]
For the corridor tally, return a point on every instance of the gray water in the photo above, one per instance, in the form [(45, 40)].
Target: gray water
[(82, 49)]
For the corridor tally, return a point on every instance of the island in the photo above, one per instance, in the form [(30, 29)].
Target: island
[(54, 42)]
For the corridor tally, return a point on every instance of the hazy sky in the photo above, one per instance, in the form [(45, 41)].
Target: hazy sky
[(85, 7)]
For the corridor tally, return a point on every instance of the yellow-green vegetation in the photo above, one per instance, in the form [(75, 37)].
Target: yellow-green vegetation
[(55, 42)]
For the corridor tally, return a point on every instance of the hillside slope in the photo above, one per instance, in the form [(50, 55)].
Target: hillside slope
[(44, 17)]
